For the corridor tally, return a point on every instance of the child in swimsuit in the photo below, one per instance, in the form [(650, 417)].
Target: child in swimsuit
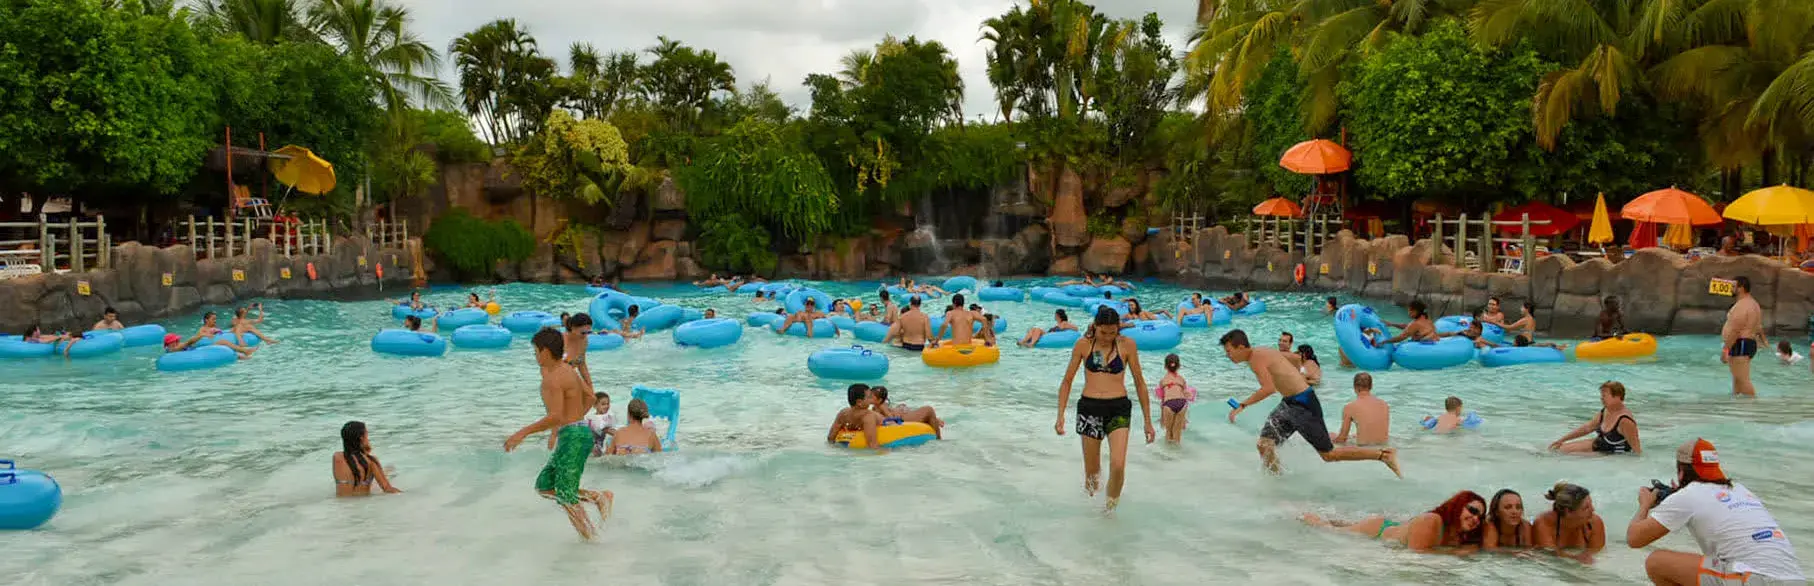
[(602, 423), (1175, 398), (637, 438)]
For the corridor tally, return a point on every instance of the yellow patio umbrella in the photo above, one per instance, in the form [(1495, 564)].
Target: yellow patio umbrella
[(1600, 230), (1773, 206), (303, 170), (1679, 236)]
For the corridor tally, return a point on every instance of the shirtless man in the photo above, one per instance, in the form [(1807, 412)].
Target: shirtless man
[(711, 281), (1493, 315), (911, 330), (1742, 335), (1420, 329), (1371, 413), (1197, 306), (1298, 412), (858, 417), (110, 320), (894, 311), (809, 311), (1236, 302), (566, 399), (579, 326), (960, 320), (1285, 340)]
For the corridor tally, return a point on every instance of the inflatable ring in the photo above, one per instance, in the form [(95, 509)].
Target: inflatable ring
[(959, 283), (843, 322), (1001, 294), (956, 356), (1497, 357), (1626, 346), (708, 333), (689, 315), (853, 363), (1039, 293), (1298, 274), (1155, 334), (481, 337), (1253, 307), (1063, 299), (870, 331), (198, 358), (660, 317), (1471, 421), (459, 318), (904, 435), (1112, 289), (492, 308), (1365, 353), (28, 498), (526, 322), (17, 347), (92, 344), (596, 291), (822, 328), (408, 343), (605, 341), (1221, 315), (765, 319), (1444, 353), (796, 301), (1058, 339), (1450, 324), (1090, 306), (1081, 290), (402, 310), (144, 335), (247, 339)]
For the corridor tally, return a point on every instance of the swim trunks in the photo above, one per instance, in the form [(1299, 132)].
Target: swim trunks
[(561, 476), (1097, 418), (1735, 573), (1176, 405), (1299, 414), (1744, 348), (912, 347)]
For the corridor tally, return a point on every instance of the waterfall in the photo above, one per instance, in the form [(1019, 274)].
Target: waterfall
[(924, 228)]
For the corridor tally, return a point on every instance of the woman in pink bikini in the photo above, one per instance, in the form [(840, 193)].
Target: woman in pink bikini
[(1175, 398)]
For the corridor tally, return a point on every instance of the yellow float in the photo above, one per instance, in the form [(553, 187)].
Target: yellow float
[(855, 304), (891, 436), (949, 355), (1626, 346), (492, 308)]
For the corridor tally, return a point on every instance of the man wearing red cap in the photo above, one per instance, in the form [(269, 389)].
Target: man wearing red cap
[(1741, 544)]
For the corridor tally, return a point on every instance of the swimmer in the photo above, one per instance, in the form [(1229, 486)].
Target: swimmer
[(1237, 301), (36, 335), (1104, 411), (1174, 413), (173, 343), (1473, 332), (858, 417), (355, 468), (808, 312), (1420, 328), (627, 326), (636, 438), (912, 331), (988, 329), (565, 401), (1329, 306), (1524, 341), (414, 302), (241, 325), (960, 321), (869, 313), (1197, 307), (1062, 323), (1570, 523), (414, 324), (1619, 438), (1786, 354), (1134, 311), (710, 314), (1505, 527), (1450, 420), (1372, 415), (902, 414), (1285, 340), (1742, 335), (72, 336), (1526, 323), (1298, 411), (110, 320), (472, 299), (1456, 523), (839, 307), (601, 422), (1611, 323), (579, 326), (1492, 315), (894, 311), (712, 281), (1308, 366)]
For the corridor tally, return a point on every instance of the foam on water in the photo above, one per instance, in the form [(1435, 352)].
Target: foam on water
[(222, 477)]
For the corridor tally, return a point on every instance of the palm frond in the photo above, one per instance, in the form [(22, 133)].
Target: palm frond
[(1788, 103)]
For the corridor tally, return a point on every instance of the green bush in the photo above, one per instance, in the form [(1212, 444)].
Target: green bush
[(732, 243), (1103, 225), (473, 246)]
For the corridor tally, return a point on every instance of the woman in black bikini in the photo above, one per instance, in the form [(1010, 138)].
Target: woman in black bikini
[(1620, 438), (1571, 523), (1505, 524), (1104, 410), (355, 469)]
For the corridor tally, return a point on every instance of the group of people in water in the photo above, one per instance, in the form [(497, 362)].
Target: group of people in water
[(210, 333)]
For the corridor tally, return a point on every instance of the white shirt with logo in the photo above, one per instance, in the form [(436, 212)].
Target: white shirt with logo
[(1731, 525)]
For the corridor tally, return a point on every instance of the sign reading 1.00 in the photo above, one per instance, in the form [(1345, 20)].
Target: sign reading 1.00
[(1724, 287)]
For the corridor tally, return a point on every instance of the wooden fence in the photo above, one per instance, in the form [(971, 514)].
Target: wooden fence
[(1291, 234), (212, 238), (74, 246), (1486, 254)]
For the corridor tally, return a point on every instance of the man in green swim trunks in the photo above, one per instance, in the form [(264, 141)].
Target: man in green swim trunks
[(566, 399)]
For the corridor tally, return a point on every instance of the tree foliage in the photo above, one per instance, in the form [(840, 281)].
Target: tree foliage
[(579, 159), (473, 246), (730, 242), (762, 172)]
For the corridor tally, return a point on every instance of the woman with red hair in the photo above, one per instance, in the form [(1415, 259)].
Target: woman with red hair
[(1453, 524)]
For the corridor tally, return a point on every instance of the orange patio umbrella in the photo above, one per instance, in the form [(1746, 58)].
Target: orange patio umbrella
[(1316, 157), (1671, 206), (1277, 206)]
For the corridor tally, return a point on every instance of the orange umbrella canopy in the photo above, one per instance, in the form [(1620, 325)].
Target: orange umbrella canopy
[(1316, 157), (1671, 206), (1560, 220), (1277, 206)]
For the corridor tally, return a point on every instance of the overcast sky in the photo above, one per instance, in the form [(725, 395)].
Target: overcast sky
[(778, 40)]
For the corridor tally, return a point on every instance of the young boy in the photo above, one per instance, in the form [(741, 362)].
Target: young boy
[(602, 423), (858, 417), (1786, 353), (1451, 415), (564, 398), (1370, 413)]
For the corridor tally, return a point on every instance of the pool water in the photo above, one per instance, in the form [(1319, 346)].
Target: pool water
[(222, 477)]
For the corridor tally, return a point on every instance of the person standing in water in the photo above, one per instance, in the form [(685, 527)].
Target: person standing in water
[(1611, 323), (1742, 335), (355, 468), (1370, 414), (911, 331), (1104, 410), (566, 401), (577, 340), (960, 320), (894, 311), (1298, 412)]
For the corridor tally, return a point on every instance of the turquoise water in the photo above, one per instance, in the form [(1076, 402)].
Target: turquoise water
[(222, 477)]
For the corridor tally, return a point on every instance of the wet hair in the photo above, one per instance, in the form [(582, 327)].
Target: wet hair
[(1743, 283), (711, 311), (975, 307), (1451, 403), (550, 340), (1133, 306), (239, 311), (1450, 513), (578, 321), (1566, 498), (1288, 335), (1417, 306), (1108, 295), (914, 301), (1308, 353), (352, 447), (1495, 299), (638, 410), (884, 294), (1492, 514), (1331, 301), (1530, 308), (1171, 362), (473, 295), (856, 393), (32, 331), (1363, 381), (109, 310), (1236, 338), (412, 323), (633, 311), (995, 284), (880, 391), (207, 315), (1783, 346), (780, 311), (989, 317), (1611, 303), (958, 299), (1105, 316), (1062, 316), (601, 395), (1615, 387)]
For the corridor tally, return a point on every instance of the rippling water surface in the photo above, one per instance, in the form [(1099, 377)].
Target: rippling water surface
[(222, 477)]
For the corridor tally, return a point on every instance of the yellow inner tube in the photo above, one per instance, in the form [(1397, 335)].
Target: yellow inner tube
[(887, 435), (1626, 346), (953, 355)]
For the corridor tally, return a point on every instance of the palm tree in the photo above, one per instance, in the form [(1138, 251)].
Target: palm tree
[(260, 21), (1744, 53), (376, 35), (855, 69), (1610, 43), (492, 61), (1007, 49)]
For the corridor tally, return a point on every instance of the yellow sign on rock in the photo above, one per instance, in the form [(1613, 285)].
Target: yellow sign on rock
[(1226, 254), (361, 261), (1723, 287), (1268, 267), (1322, 269), (1372, 268), (168, 279), (239, 275), (82, 288), (284, 272), (393, 260)]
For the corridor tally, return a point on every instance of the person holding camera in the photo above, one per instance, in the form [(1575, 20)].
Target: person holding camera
[(1741, 544)]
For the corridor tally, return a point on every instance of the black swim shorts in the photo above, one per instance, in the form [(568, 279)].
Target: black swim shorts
[(1097, 418), (1299, 414), (1743, 348)]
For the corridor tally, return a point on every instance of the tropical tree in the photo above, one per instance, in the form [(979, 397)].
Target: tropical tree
[(376, 34), (598, 82), (260, 21), (504, 80), (682, 81), (1744, 53)]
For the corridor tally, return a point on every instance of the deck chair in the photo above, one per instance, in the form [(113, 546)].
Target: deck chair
[(243, 202), (1470, 261), (18, 263)]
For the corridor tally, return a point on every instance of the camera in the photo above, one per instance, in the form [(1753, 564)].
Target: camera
[(1662, 491)]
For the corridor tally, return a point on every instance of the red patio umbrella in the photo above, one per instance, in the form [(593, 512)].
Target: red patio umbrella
[(1316, 157), (1560, 220)]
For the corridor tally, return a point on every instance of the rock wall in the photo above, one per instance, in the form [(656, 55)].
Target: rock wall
[(146, 283)]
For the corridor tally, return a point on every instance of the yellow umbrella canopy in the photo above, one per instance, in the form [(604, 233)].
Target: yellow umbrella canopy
[(1679, 236), (1774, 206), (1600, 231), (304, 170)]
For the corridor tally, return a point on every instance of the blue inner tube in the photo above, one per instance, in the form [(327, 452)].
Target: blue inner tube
[(689, 315), (1364, 353), (1450, 324), (28, 498), (408, 343), (1470, 421), (595, 291), (1196, 320), (1081, 290), (1001, 294), (526, 322), (1253, 307), (959, 283), (198, 358), (1058, 339), (1039, 293), (402, 310), (843, 322), (796, 301), (16, 347), (1090, 306), (247, 339), (94, 344), (1063, 299), (853, 363), (1114, 289), (1443, 353), (658, 318), (605, 341), (773, 287), (1154, 334), (481, 337), (663, 404), (765, 319), (459, 318), (1497, 357), (143, 335), (822, 328), (709, 333), (870, 331)]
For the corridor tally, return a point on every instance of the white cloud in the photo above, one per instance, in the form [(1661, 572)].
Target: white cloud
[(779, 40)]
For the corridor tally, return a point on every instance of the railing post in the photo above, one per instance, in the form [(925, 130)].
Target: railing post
[(75, 246), (228, 225), (1528, 246), (105, 256), (1486, 245), (47, 251), (1436, 237), (210, 231), (1461, 239), (192, 248), (327, 236), (404, 228)]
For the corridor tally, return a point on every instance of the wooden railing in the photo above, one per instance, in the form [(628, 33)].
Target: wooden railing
[(384, 234), (57, 246), (212, 238), (1486, 245), (1293, 233)]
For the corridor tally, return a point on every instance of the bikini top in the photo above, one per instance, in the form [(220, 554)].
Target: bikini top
[(1093, 363)]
